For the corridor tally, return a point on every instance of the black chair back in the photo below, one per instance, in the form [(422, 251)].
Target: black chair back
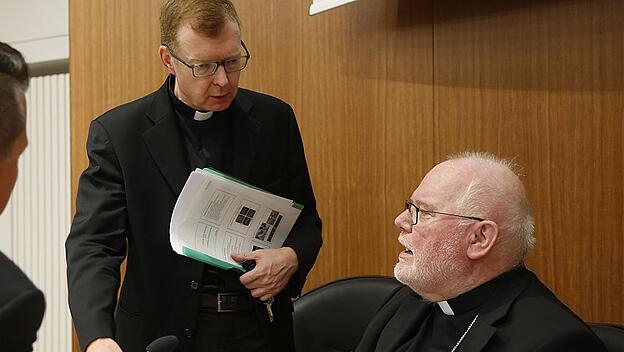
[(612, 335), (333, 317)]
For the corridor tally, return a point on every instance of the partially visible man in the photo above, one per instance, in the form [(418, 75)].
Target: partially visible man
[(21, 304), (467, 229), (140, 155)]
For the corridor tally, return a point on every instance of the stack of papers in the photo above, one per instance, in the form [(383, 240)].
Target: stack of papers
[(217, 215)]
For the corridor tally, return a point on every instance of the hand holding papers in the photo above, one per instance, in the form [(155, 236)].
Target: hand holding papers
[(217, 215)]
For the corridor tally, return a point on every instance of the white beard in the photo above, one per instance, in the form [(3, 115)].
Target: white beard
[(432, 268)]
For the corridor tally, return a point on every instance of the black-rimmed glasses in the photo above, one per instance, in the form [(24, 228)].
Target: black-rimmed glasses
[(206, 69), (414, 212)]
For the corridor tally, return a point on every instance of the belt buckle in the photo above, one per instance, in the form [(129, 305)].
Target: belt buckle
[(221, 309)]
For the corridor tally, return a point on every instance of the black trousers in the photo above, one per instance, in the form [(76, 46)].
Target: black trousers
[(229, 332), (236, 329)]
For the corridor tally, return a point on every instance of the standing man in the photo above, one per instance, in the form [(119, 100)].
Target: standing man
[(21, 304), (466, 230), (140, 155)]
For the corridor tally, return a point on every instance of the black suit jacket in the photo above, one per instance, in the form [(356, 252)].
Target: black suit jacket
[(137, 168), (21, 308), (523, 315)]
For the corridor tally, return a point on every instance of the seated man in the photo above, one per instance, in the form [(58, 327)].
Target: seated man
[(21, 304), (467, 287)]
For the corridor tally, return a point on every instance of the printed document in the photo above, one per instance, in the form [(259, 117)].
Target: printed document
[(217, 215)]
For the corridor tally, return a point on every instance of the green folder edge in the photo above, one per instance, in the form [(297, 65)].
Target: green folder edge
[(234, 179), (210, 260)]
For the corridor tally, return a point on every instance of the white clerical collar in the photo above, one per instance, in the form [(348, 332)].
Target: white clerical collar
[(202, 116), (446, 308)]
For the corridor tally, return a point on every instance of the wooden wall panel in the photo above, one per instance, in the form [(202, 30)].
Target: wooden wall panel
[(113, 60), (542, 82)]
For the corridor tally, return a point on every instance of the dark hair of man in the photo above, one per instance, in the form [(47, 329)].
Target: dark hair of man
[(12, 63), (12, 117), (207, 17)]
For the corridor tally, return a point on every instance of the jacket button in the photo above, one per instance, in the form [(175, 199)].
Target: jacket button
[(194, 285), (188, 333)]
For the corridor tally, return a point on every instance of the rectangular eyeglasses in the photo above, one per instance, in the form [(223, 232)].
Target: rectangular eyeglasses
[(414, 212)]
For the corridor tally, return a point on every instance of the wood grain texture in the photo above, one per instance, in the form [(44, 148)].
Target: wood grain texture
[(541, 82), (383, 89), (114, 59)]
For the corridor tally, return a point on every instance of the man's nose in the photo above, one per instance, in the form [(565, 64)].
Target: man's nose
[(403, 222), (220, 76)]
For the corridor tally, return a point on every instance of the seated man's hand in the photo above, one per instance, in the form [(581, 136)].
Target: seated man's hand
[(274, 267), (105, 344)]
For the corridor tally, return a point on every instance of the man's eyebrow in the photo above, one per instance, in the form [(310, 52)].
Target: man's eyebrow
[(423, 205), (201, 62)]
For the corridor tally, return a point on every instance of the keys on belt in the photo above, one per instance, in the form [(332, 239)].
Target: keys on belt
[(269, 308)]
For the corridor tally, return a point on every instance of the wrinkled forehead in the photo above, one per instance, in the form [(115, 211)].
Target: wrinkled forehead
[(442, 185), (199, 46)]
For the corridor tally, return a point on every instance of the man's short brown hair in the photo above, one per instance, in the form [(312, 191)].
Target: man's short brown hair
[(14, 77), (12, 116), (12, 63), (207, 17)]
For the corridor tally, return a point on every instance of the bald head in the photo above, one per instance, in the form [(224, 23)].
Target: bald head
[(489, 187)]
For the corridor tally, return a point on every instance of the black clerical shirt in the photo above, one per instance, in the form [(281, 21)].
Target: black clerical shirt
[(207, 140)]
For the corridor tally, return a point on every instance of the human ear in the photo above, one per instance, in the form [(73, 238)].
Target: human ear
[(165, 58), (482, 237)]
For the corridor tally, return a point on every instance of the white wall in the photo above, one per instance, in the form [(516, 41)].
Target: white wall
[(37, 28)]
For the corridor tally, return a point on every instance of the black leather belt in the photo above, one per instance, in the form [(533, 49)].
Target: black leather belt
[(224, 302)]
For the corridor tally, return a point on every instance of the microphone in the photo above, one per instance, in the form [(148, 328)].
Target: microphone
[(163, 344)]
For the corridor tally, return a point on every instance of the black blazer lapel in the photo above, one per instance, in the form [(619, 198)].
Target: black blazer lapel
[(396, 323), (245, 131), (478, 336), (495, 309), (165, 142), (405, 324)]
